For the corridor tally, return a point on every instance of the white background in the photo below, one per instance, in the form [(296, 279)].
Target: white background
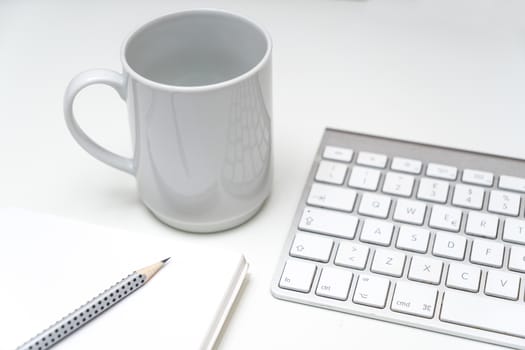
[(444, 72)]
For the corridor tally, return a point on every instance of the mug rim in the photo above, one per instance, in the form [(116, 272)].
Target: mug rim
[(199, 88)]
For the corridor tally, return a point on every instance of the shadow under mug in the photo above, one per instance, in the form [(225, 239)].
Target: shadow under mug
[(198, 86)]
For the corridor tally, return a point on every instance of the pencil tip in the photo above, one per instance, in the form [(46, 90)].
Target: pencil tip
[(165, 260)]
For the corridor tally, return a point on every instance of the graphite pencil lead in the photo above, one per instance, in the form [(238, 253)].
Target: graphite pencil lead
[(165, 260)]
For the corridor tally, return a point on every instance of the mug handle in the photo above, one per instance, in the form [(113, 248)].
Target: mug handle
[(82, 80)]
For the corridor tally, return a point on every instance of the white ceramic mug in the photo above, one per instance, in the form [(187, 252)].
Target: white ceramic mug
[(198, 86)]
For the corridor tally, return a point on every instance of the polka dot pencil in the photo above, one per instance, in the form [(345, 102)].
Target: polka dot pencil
[(105, 300)]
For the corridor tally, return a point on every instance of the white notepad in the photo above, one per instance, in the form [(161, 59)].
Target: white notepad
[(50, 266)]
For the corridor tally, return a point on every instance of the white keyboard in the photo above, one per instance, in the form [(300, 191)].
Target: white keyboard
[(414, 234)]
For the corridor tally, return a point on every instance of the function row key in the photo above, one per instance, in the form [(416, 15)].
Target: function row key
[(338, 153), (375, 160), (372, 159), (477, 177), (406, 165), (512, 183), (470, 176), (346, 154), (441, 171)]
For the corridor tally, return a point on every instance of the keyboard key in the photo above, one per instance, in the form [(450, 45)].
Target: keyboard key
[(398, 184), (352, 255), (504, 203), (502, 285), (445, 218), (328, 222), (433, 190), (487, 253), (375, 205), (331, 172), (414, 299), (409, 211), (338, 153), (313, 247), (517, 259), (377, 232), (388, 262), (371, 291), (514, 231), (423, 269), (449, 245), (414, 239), (468, 196), (406, 165), (332, 197), (470, 310), (298, 276), (364, 178), (482, 225), (477, 177), (334, 283), (442, 171), (464, 277), (372, 159), (512, 183)]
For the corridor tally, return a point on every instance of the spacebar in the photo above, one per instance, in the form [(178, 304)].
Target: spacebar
[(484, 313)]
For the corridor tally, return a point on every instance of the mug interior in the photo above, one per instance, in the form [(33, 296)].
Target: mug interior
[(196, 48)]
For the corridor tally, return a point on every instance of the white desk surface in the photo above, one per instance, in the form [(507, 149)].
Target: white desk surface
[(448, 72)]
